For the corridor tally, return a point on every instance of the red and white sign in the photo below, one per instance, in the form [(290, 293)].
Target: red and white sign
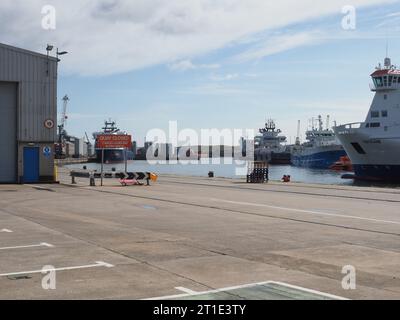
[(49, 123), (114, 141)]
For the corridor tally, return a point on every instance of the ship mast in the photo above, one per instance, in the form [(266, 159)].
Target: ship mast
[(298, 134)]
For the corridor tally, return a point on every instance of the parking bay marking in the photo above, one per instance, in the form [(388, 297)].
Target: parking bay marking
[(96, 265), (307, 211), (191, 293), (186, 290), (43, 244)]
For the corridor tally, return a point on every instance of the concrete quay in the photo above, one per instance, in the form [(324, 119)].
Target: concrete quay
[(183, 235)]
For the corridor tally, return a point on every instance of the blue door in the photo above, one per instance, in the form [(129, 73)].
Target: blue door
[(31, 164)]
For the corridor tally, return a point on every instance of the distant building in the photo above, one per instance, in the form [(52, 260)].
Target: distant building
[(134, 148)]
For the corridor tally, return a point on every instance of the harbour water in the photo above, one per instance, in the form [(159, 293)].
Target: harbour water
[(223, 170)]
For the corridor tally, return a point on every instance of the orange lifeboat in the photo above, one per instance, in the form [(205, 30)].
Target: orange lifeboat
[(344, 164)]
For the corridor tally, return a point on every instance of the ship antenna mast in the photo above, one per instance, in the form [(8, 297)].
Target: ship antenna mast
[(388, 62), (387, 47), (320, 123), (298, 133)]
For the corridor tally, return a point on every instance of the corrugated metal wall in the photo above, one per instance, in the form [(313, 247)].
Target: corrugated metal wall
[(8, 125), (37, 91)]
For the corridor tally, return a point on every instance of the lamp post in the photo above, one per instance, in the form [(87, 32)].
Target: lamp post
[(60, 53), (48, 49)]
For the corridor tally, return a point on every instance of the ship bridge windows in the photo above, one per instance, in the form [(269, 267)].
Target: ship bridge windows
[(384, 113), (385, 81), (378, 81), (373, 125), (374, 114)]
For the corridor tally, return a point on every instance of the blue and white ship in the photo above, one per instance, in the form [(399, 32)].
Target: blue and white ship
[(374, 145), (321, 150)]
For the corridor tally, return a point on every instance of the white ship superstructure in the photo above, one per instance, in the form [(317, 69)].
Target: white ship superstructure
[(374, 145), (270, 145)]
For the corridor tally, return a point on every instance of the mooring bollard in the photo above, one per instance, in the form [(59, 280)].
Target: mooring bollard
[(92, 180)]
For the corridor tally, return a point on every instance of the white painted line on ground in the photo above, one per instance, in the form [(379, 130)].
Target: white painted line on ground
[(194, 293), (96, 265), (43, 244), (6, 230), (186, 290), (306, 211)]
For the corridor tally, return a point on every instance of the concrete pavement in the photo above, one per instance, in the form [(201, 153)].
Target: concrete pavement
[(198, 234)]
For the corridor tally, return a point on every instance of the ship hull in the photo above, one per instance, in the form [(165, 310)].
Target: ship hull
[(384, 173), (281, 158), (113, 155), (374, 158), (318, 159), (272, 157)]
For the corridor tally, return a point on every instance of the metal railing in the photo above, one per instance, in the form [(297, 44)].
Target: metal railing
[(349, 127)]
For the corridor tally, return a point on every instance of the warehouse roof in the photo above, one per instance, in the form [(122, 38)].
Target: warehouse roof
[(24, 51)]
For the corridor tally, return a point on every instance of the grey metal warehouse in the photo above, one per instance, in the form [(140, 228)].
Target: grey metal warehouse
[(28, 115)]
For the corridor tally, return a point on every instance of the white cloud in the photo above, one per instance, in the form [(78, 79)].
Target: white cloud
[(217, 89), (278, 44), (185, 65), (394, 14), (112, 36), (224, 77)]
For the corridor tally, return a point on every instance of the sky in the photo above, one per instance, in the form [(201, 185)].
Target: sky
[(208, 63)]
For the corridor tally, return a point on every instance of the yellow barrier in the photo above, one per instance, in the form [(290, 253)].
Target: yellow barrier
[(55, 173)]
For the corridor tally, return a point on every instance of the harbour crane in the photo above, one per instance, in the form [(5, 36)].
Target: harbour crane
[(63, 120), (88, 144), (62, 133)]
